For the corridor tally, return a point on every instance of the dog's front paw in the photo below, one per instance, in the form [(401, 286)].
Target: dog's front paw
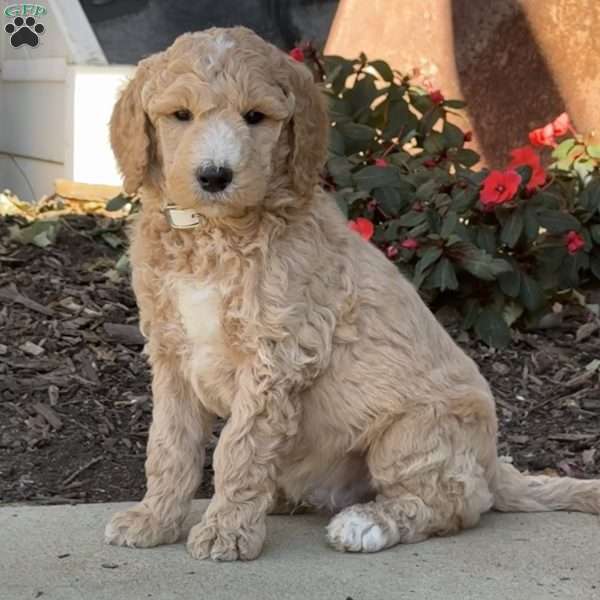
[(222, 538), (139, 528)]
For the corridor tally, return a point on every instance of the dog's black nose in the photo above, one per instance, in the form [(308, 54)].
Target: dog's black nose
[(214, 179)]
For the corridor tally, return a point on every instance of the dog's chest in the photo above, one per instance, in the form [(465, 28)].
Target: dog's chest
[(199, 307)]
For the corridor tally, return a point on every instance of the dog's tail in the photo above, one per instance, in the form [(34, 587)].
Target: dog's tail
[(516, 492)]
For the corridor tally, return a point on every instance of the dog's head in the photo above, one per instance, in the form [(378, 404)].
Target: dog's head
[(220, 121)]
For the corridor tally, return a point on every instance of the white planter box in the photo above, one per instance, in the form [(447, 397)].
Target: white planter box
[(55, 102)]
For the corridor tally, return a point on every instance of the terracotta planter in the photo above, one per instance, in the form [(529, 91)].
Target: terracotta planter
[(517, 64)]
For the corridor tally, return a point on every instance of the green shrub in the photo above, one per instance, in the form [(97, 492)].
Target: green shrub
[(498, 245)]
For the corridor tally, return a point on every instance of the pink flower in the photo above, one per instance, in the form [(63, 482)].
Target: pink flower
[(543, 136), (527, 156), (546, 135), (574, 242), (436, 96), (363, 227), (380, 162), (297, 54), (499, 187), (392, 251), (410, 244), (561, 124)]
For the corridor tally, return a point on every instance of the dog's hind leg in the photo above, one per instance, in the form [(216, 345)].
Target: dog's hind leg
[(429, 482)]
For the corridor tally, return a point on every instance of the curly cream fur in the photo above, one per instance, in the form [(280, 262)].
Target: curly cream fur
[(340, 388)]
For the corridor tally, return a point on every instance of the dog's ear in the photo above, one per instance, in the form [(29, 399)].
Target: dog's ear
[(131, 133), (310, 126)]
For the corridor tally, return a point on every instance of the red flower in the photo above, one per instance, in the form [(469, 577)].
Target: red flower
[(543, 136), (297, 54), (363, 227), (561, 124), (527, 156), (392, 251), (429, 163), (436, 96), (499, 187), (574, 242), (410, 244), (546, 136), (381, 162)]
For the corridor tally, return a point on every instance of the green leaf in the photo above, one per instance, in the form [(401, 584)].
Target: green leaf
[(118, 202), (478, 262), (443, 276), (595, 265), (457, 104), (492, 329), (339, 167), (453, 135), (485, 238), (511, 312), (510, 283), (428, 258), (412, 218), (383, 69), (465, 157), (340, 199), (512, 228), (434, 143), (337, 146), (532, 227), (595, 232), (391, 200), (556, 221), (426, 190), (400, 120), (357, 137), (593, 150), (372, 177), (464, 198), (338, 69), (563, 149), (531, 294), (590, 197), (572, 265), (471, 311), (422, 102), (449, 224), (429, 119)]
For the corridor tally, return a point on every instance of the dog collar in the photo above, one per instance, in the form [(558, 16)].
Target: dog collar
[(182, 218)]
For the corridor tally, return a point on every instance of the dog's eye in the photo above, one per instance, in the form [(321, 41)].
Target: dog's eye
[(183, 115), (253, 117)]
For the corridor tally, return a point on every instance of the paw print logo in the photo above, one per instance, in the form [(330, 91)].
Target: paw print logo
[(24, 31)]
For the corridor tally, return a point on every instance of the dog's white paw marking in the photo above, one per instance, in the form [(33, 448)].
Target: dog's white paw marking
[(354, 531)]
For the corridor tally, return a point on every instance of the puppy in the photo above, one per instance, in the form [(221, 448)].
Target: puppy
[(259, 305)]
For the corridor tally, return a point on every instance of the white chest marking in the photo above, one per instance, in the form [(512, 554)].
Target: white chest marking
[(199, 307)]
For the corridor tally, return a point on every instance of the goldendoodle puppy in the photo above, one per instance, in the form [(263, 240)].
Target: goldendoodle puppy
[(259, 305)]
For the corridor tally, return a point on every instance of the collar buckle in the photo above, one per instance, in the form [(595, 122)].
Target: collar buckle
[(182, 218)]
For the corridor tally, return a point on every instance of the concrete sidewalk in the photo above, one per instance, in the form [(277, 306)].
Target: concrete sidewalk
[(57, 553)]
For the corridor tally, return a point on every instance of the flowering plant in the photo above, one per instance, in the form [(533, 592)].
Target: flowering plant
[(498, 245)]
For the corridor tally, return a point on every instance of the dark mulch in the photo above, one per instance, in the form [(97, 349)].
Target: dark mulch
[(75, 399)]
